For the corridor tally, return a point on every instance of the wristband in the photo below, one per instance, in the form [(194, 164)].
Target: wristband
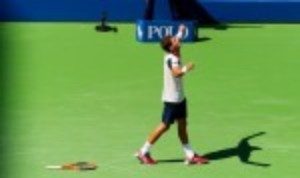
[(179, 35), (184, 69)]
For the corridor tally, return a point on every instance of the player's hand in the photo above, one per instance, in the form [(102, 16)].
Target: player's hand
[(182, 28), (190, 66)]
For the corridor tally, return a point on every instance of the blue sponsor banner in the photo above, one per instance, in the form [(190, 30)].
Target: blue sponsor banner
[(155, 30)]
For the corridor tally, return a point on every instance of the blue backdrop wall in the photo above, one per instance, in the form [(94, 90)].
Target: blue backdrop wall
[(130, 10)]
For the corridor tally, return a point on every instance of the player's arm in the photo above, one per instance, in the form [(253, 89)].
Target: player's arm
[(180, 32), (178, 71)]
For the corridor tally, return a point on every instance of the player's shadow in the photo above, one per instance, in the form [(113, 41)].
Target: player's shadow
[(192, 10), (243, 151), (202, 39), (224, 27), (195, 10), (170, 161)]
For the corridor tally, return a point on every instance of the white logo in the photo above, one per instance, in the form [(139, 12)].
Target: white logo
[(159, 31), (140, 32), (162, 31)]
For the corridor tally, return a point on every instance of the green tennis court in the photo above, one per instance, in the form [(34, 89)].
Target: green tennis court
[(72, 94)]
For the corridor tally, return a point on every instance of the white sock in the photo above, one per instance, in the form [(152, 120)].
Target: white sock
[(189, 153), (146, 148)]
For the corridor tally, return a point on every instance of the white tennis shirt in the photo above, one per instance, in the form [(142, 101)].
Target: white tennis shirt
[(172, 86)]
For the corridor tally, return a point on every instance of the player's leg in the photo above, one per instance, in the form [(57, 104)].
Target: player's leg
[(149, 11), (177, 9), (168, 118), (191, 156), (144, 153), (181, 114), (157, 132), (184, 139), (182, 131), (153, 137)]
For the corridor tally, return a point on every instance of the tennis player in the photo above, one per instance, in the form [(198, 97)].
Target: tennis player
[(175, 103)]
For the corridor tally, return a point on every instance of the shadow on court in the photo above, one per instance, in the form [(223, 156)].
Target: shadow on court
[(202, 39), (170, 161), (192, 10), (243, 151), (223, 27), (230, 26)]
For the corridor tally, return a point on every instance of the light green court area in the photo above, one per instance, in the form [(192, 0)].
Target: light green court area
[(72, 94)]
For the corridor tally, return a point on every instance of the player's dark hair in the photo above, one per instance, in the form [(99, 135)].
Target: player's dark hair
[(166, 43)]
